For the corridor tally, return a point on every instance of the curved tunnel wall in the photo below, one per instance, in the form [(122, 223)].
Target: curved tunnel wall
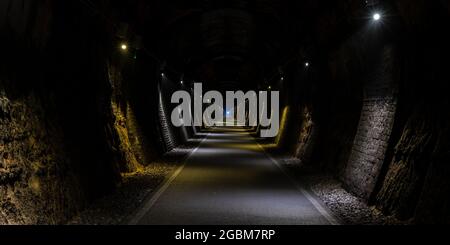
[(171, 136), (394, 153), (375, 127), (75, 111), (167, 130)]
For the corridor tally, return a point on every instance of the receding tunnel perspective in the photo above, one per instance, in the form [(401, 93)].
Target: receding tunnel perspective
[(214, 112)]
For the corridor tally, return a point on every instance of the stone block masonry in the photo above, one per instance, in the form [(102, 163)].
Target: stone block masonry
[(169, 139), (374, 129)]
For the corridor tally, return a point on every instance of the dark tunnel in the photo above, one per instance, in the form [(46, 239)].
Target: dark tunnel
[(86, 112)]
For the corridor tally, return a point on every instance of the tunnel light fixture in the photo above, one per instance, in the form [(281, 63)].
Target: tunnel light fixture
[(269, 88), (376, 16), (307, 64), (124, 46), (181, 82)]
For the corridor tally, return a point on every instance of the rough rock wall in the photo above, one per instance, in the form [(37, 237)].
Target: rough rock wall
[(415, 186), (400, 157), (125, 153), (67, 127), (165, 123), (407, 169), (415, 183), (307, 136), (38, 178)]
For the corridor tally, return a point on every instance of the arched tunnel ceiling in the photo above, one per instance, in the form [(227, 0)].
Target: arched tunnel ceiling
[(245, 41)]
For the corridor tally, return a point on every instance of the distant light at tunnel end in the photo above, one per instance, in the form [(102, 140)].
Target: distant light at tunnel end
[(376, 16)]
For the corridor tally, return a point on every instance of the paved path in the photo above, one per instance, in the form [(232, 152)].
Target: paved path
[(230, 180)]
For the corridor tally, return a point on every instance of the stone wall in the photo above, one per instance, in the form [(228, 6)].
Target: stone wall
[(67, 124), (374, 129), (414, 184), (38, 182), (168, 131), (307, 136)]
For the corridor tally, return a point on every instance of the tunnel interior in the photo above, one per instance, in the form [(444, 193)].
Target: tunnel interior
[(85, 96)]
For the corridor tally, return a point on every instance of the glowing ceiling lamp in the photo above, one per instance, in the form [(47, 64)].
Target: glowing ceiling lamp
[(376, 16)]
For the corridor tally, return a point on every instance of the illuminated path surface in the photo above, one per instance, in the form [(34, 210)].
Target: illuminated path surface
[(230, 180)]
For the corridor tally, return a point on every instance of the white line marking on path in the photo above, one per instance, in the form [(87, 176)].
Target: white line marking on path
[(146, 208), (320, 208)]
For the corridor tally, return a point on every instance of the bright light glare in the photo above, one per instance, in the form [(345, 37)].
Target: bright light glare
[(376, 16), (124, 47), (307, 64)]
